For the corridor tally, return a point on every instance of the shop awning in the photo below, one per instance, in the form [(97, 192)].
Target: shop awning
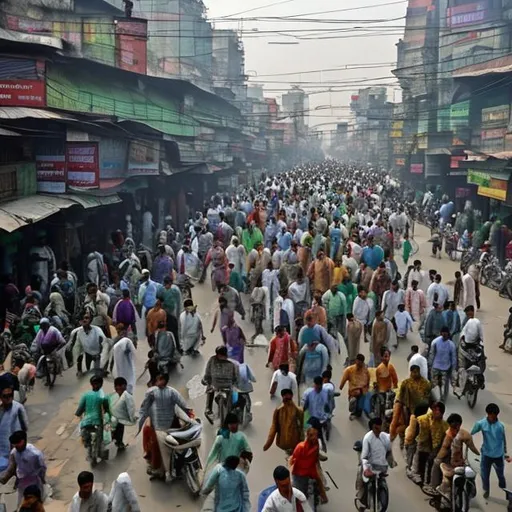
[(28, 210), (499, 65), (438, 151), (33, 113), (8, 133), (90, 201), (484, 165)]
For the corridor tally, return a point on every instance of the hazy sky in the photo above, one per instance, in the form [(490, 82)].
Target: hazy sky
[(331, 44)]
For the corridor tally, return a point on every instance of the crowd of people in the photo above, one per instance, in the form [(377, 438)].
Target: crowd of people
[(311, 252)]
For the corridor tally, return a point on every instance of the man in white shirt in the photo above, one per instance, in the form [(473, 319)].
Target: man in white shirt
[(374, 458), (87, 339), (416, 359), (283, 379), (87, 498), (285, 498), (439, 289)]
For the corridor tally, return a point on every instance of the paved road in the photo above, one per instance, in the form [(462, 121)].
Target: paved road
[(54, 429)]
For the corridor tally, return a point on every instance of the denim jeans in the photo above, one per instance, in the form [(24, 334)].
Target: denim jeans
[(486, 463)]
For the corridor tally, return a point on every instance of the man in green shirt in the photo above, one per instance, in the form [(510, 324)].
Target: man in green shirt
[(170, 296), (92, 407)]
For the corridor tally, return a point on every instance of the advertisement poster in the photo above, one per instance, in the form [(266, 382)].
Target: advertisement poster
[(51, 174), (144, 158), (22, 93), (82, 159)]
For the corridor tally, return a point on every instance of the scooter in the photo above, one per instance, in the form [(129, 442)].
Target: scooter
[(463, 490), (185, 442)]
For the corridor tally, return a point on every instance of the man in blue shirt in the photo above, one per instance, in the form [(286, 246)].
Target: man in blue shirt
[(443, 361), (494, 447), (317, 401)]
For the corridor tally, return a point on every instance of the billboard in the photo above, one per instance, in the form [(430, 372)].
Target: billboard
[(144, 158), (467, 14), (51, 173), (22, 93), (82, 162), (131, 46)]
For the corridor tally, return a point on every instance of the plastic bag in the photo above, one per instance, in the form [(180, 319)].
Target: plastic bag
[(195, 387)]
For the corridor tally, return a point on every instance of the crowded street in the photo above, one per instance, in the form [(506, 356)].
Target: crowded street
[(54, 429)]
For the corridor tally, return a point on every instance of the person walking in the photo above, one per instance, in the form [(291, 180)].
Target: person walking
[(285, 498), (494, 447), (87, 498)]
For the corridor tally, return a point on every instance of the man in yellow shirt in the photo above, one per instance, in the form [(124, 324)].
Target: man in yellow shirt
[(358, 379), (386, 376)]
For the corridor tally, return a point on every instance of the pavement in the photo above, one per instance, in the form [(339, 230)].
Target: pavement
[(53, 427)]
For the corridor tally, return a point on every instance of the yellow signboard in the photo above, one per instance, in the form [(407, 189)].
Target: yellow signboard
[(396, 134), (397, 125), (493, 193), (422, 141)]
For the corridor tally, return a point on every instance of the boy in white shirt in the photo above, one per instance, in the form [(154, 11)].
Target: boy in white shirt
[(283, 379)]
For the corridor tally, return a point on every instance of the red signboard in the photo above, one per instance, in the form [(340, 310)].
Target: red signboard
[(454, 161), (51, 174), (83, 170), (131, 43), (416, 168), (22, 93)]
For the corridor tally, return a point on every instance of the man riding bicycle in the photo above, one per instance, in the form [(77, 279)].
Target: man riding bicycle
[(318, 401), (220, 373), (376, 457)]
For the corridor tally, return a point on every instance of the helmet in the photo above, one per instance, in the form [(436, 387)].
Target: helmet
[(358, 446)]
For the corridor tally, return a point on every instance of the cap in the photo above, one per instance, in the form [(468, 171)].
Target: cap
[(145, 271), (44, 321)]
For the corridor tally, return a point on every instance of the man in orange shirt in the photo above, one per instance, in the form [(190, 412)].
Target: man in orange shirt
[(358, 379), (155, 315), (304, 464), (387, 378)]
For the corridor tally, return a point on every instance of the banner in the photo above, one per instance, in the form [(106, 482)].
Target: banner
[(467, 14), (22, 93), (82, 165), (51, 174), (144, 158), (416, 168)]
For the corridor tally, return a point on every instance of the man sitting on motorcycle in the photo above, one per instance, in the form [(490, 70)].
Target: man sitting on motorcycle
[(450, 456), (220, 373), (164, 353), (48, 340), (471, 336), (317, 400), (376, 455)]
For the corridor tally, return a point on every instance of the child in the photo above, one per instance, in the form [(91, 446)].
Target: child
[(406, 249), (403, 322), (122, 408), (329, 387)]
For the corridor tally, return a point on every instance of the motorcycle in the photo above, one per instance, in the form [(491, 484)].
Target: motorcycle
[(472, 379), (185, 442), (51, 367), (468, 258), (377, 487), (451, 242), (490, 273), (463, 490), (381, 406), (185, 284), (506, 282)]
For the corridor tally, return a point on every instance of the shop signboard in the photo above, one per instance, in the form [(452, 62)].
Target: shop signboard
[(422, 141), (443, 120), (481, 179), (399, 162), (131, 44), (22, 93), (144, 158), (51, 173), (467, 14), (416, 168), (397, 125), (396, 134), (494, 133), (113, 156), (82, 163), (497, 189), (459, 115), (496, 116)]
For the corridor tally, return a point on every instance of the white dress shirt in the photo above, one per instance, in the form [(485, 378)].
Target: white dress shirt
[(375, 450), (472, 331)]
